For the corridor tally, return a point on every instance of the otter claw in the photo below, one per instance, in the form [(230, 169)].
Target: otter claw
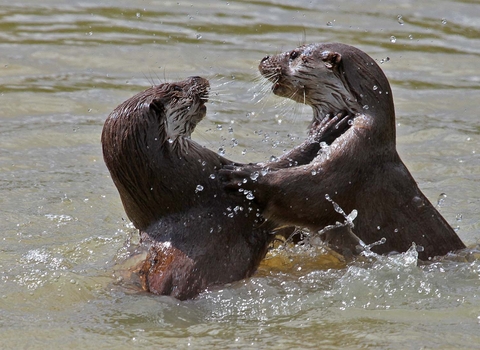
[(329, 129), (234, 177)]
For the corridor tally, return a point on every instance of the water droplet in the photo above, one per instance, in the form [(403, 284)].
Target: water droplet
[(459, 217), (441, 199), (221, 151), (418, 202), (244, 152), (375, 87), (219, 127), (365, 107), (314, 172), (393, 39), (410, 36), (352, 216), (273, 159), (384, 60), (138, 15), (378, 227), (329, 24), (198, 36), (400, 20), (444, 21), (250, 196), (199, 188), (254, 176), (169, 140), (212, 176)]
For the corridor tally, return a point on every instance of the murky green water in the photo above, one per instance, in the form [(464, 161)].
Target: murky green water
[(64, 65)]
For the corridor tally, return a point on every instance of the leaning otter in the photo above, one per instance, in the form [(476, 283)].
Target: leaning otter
[(362, 169), (199, 235)]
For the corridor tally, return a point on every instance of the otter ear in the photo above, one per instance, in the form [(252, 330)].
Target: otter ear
[(331, 59)]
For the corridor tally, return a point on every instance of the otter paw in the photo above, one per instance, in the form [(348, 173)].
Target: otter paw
[(236, 178), (329, 129)]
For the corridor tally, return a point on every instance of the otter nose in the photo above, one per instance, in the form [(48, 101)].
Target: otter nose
[(265, 58), (196, 79)]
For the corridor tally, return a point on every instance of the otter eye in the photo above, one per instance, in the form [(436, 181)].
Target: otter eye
[(177, 88), (293, 55)]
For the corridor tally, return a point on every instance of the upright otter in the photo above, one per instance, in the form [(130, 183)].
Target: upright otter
[(361, 170), (199, 235)]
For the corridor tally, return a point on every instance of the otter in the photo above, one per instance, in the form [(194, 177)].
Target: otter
[(197, 234), (361, 170)]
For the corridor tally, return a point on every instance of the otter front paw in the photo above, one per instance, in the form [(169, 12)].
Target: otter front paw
[(330, 128), (241, 179)]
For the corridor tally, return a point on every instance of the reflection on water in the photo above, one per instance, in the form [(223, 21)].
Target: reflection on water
[(66, 245)]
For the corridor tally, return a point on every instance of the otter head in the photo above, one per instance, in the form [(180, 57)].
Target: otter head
[(180, 106), (331, 78), (142, 138)]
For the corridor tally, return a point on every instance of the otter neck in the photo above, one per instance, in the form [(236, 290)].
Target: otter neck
[(371, 96)]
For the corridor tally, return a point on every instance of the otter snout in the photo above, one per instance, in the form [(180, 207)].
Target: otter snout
[(268, 67), (198, 80), (198, 86)]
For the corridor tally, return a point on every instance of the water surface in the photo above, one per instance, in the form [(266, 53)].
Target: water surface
[(65, 237)]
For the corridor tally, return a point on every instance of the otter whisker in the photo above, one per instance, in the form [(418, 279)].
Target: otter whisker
[(259, 80), (214, 100), (149, 78), (219, 97), (218, 83), (218, 92), (264, 90), (285, 106)]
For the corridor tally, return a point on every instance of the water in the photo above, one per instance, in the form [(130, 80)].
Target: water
[(64, 279)]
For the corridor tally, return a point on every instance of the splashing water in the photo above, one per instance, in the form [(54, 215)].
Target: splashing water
[(348, 218)]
